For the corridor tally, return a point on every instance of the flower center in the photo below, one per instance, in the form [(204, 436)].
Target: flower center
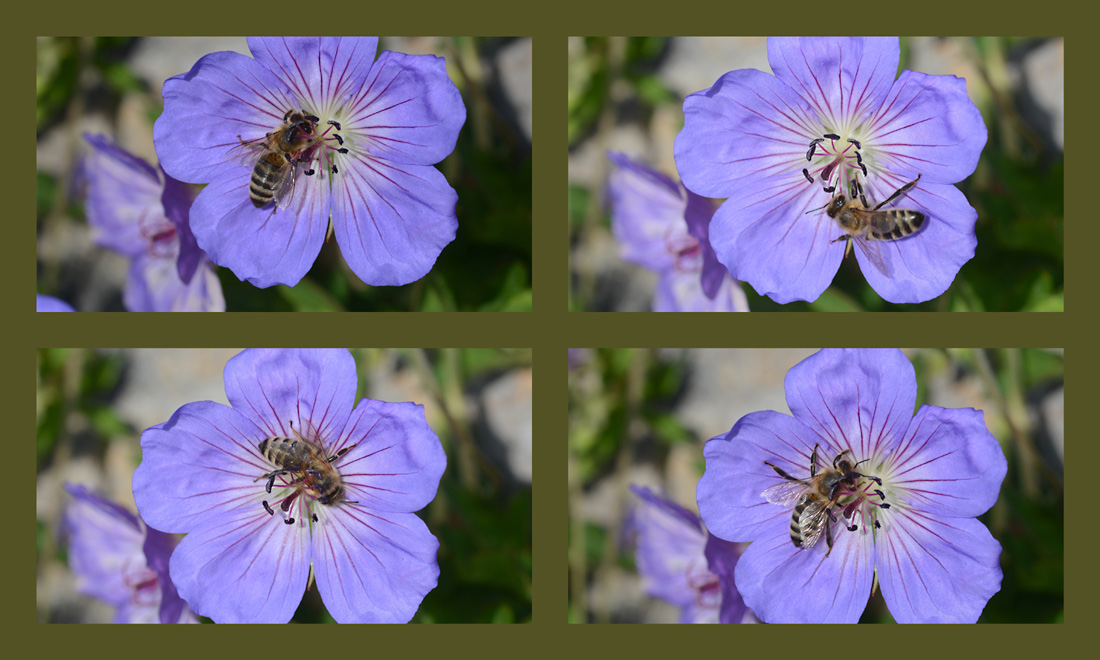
[(324, 143), (685, 250), (836, 160), (142, 582), (860, 499), (302, 467), (708, 591)]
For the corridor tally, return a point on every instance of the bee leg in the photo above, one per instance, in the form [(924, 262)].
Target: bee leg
[(898, 193), (829, 539), (342, 452), (813, 462), (781, 472)]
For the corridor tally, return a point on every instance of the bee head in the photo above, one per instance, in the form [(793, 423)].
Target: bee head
[(836, 205)]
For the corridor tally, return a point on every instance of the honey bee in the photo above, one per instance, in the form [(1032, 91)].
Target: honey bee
[(308, 468), (864, 224), (815, 498), (274, 173)]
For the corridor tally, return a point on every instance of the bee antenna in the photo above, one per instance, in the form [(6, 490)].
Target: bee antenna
[(817, 209)]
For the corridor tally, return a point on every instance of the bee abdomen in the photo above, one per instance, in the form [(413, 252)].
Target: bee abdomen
[(905, 223), (266, 179), (796, 527)]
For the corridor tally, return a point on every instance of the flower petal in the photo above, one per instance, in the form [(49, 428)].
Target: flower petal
[(104, 541), (722, 559), (929, 126), (392, 220), (949, 464), (749, 125), (842, 79), (647, 213), (681, 291), (243, 566), (729, 493), (199, 464), (936, 570), (786, 584), (374, 567), (123, 205), (407, 110), (158, 548), (857, 399), (399, 460), (262, 245), (923, 265), (225, 98), (315, 68), (154, 285), (313, 389), (764, 238), (698, 215)]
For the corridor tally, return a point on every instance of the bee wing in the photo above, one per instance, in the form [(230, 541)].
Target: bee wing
[(812, 522), (247, 152), (785, 493), (872, 252)]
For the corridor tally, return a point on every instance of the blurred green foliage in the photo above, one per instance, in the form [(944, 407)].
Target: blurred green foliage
[(486, 268), (622, 403), (484, 530), (1017, 189)]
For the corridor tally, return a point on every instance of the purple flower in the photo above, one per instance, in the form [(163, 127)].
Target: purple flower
[(663, 227), (781, 147), (906, 495), (682, 564), (136, 212), (365, 135), (120, 561), (259, 521), (51, 304)]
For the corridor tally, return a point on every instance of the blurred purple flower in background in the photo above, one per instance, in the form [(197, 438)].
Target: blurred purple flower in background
[(778, 146), (140, 212), (663, 227), (368, 138), (682, 564), (51, 304), (120, 561), (916, 486), (258, 527)]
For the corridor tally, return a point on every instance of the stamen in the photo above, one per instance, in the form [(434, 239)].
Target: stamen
[(289, 521), (335, 123), (813, 147), (267, 507), (832, 136), (855, 142), (806, 173)]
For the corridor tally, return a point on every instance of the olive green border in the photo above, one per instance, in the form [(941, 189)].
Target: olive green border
[(549, 329)]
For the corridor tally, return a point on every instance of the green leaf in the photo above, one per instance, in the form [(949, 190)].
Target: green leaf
[(835, 300), (308, 296)]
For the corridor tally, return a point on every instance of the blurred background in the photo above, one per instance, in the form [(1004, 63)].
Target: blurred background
[(112, 86), (641, 416), (92, 406), (627, 94)]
